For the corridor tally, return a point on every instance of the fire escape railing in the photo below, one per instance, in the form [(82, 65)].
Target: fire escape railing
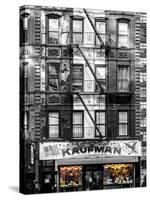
[(100, 134), (88, 64)]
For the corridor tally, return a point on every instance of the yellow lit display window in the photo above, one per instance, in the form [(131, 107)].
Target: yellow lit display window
[(70, 176), (118, 174)]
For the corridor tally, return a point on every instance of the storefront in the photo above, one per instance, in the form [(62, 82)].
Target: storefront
[(94, 166)]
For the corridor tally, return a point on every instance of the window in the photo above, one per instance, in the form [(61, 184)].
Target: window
[(143, 121), (53, 124), (123, 124), (123, 33), (77, 124), (53, 30), (25, 66), (143, 105), (77, 31), (77, 80), (118, 174), (101, 76), (24, 28), (53, 76), (123, 78), (142, 77), (71, 177), (101, 29), (100, 122), (143, 92)]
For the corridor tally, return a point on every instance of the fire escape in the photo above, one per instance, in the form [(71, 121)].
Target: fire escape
[(101, 89)]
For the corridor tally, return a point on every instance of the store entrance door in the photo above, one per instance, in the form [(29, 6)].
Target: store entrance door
[(93, 179)]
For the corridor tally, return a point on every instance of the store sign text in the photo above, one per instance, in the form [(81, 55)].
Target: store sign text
[(62, 150)]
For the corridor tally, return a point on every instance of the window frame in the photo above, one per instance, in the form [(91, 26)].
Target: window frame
[(123, 123), (75, 32), (100, 124), (101, 80), (24, 30), (48, 75), (53, 16), (129, 78), (126, 21), (54, 125), (82, 125), (100, 20), (81, 79)]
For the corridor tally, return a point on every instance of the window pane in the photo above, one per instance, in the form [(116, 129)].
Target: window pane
[(123, 41), (100, 72), (77, 25), (53, 38), (101, 27), (77, 131), (53, 24), (54, 69), (122, 129), (53, 84), (122, 117), (53, 131), (100, 117), (77, 118), (124, 72), (77, 71), (123, 78), (101, 129), (25, 22), (77, 38), (53, 118), (123, 28)]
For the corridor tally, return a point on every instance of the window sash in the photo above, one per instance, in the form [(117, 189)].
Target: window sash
[(77, 80), (123, 34), (53, 77), (100, 122), (53, 30), (123, 78), (101, 76), (53, 124), (77, 31), (123, 123), (77, 124), (101, 29)]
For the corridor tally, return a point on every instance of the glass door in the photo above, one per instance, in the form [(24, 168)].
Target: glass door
[(94, 180)]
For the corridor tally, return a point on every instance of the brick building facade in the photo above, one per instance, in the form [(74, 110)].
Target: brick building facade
[(80, 125)]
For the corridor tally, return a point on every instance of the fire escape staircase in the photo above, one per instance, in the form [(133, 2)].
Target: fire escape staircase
[(93, 73)]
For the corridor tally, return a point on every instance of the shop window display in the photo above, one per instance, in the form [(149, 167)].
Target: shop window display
[(70, 177), (118, 174)]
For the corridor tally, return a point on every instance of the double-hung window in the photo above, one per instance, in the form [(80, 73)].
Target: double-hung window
[(123, 123), (101, 29), (77, 80), (53, 76), (123, 78), (100, 122), (77, 29), (53, 123), (101, 76), (77, 124), (123, 33), (24, 28), (53, 30)]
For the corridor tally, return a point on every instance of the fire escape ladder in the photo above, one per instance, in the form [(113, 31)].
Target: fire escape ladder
[(89, 115), (94, 28), (88, 64)]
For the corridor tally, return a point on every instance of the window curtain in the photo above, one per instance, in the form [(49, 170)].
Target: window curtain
[(123, 79)]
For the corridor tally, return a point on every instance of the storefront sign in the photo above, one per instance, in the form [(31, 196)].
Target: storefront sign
[(60, 150)]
